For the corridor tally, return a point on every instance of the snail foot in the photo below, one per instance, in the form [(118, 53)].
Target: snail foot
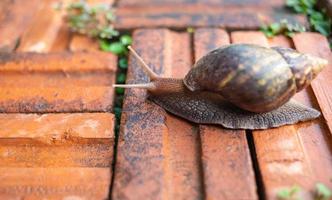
[(207, 108)]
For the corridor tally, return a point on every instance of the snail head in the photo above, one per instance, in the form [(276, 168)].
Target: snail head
[(157, 83)]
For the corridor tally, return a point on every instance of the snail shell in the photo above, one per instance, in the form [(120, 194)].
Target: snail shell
[(254, 78)]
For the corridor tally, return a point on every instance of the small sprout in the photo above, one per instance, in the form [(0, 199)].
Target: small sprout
[(322, 192), (126, 40), (289, 193), (117, 48), (282, 27), (121, 78), (123, 63), (119, 91), (94, 21), (318, 19), (117, 112)]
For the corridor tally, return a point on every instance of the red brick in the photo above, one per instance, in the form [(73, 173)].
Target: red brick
[(181, 141), (37, 39), (280, 40), (16, 18), (54, 183), (249, 37), (175, 16), (57, 82), (56, 79), (226, 161), (61, 42), (206, 2), (56, 140), (55, 99), (57, 62), (83, 43), (157, 148), (288, 155), (318, 45)]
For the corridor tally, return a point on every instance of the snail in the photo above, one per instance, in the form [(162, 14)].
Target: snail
[(238, 86)]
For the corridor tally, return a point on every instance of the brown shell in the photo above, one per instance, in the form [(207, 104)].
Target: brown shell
[(254, 78)]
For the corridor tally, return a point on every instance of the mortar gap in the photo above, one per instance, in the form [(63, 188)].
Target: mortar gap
[(258, 176)]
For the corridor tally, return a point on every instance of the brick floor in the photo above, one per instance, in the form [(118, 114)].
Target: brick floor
[(56, 99)]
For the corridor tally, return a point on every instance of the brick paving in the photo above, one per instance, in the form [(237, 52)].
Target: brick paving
[(57, 139)]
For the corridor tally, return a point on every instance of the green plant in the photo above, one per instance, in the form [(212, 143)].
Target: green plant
[(97, 22), (94, 21), (289, 193), (322, 192), (318, 19), (282, 27)]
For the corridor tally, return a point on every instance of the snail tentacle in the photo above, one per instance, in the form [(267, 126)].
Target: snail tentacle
[(152, 75)]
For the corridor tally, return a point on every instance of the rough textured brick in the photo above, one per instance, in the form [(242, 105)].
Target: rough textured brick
[(14, 19), (56, 140), (56, 79), (54, 183), (83, 43), (318, 45), (57, 82), (226, 161), (59, 62), (157, 148), (176, 16), (288, 155), (37, 39), (208, 2), (54, 99), (62, 39)]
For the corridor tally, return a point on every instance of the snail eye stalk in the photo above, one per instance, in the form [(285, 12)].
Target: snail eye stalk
[(149, 86), (146, 68)]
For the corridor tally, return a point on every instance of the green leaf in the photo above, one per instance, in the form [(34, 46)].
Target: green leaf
[(117, 48), (117, 112), (104, 45), (126, 40), (123, 63), (323, 192), (288, 193), (119, 90), (121, 78), (275, 28)]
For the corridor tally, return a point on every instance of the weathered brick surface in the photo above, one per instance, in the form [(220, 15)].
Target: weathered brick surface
[(206, 2), (43, 31), (56, 79), (56, 140), (287, 155), (54, 99), (57, 82), (318, 45), (15, 17), (83, 43), (156, 148), (54, 183), (62, 39), (227, 168), (175, 16), (59, 62)]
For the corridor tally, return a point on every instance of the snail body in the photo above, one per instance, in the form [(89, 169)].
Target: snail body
[(239, 86)]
